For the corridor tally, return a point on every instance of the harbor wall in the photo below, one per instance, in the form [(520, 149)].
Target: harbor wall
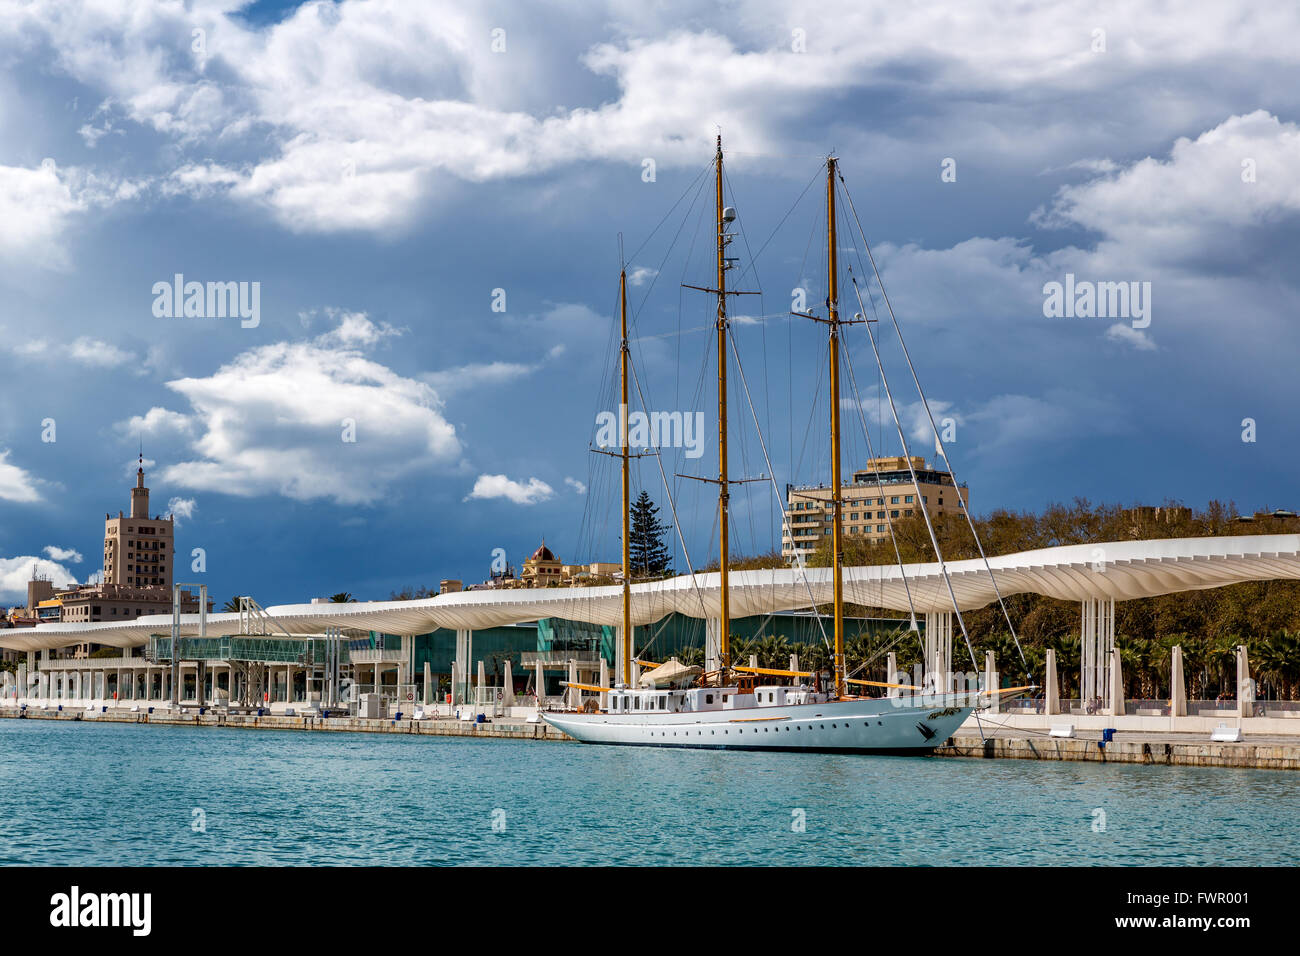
[(1202, 753), (1008, 743), (520, 730)]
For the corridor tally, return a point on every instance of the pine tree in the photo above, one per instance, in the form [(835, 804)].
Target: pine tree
[(650, 557)]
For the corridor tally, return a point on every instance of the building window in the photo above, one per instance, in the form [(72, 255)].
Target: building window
[(909, 499), (893, 514), (894, 500)]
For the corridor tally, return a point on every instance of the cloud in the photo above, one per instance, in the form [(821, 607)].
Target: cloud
[(156, 421), (476, 375), (576, 485), (641, 275), (353, 115), (1127, 335), (499, 486), (1207, 245), (1235, 176), (55, 553), (16, 572), (1028, 420), (83, 350), (181, 509), (16, 484), (355, 330), (306, 420), (90, 351), (38, 206)]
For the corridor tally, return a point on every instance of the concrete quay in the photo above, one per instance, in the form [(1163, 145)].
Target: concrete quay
[(1128, 747), (1151, 747), (518, 730)]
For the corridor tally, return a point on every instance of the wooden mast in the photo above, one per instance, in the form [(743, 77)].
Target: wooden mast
[(627, 503), (837, 534), (724, 487)]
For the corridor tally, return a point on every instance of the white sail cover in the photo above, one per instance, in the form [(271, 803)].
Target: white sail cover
[(670, 672)]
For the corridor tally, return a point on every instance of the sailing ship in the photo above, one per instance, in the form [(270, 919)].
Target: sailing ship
[(737, 707)]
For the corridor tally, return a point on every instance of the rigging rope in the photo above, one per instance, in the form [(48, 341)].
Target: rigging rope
[(929, 527), (937, 438), (785, 525)]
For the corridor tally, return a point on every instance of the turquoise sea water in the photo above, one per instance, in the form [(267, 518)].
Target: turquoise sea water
[(124, 794)]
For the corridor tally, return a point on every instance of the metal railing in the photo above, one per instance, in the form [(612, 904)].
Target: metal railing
[(533, 658), (376, 655)]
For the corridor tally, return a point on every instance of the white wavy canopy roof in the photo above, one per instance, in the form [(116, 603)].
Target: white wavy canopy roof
[(1122, 570)]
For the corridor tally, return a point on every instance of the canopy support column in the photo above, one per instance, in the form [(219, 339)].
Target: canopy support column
[(938, 650), (1245, 686), (1053, 691), (622, 650), (1177, 686), (464, 651), (712, 644), (1097, 641), (991, 681)]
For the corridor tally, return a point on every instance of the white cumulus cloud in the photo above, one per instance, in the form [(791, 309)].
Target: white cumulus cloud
[(55, 553), (181, 509), (17, 571), (521, 493), (16, 484), (306, 420)]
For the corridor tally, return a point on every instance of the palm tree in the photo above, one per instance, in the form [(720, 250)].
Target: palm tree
[(691, 656), (343, 597), (742, 648), (231, 605), (773, 651)]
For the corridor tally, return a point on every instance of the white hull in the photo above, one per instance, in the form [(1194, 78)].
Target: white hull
[(866, 725)]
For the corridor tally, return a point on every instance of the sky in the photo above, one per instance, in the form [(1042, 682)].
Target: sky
[(430, 201)]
